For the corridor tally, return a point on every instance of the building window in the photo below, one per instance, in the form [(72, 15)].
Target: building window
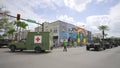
[(50, 30), (55, 30)]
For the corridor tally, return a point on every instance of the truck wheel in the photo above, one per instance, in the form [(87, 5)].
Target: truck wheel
[(104, 48), (87, 48), (21, 50), (111, 46), (12, 48), (37, 49), (97, 48), (42, 50), (51, 48)]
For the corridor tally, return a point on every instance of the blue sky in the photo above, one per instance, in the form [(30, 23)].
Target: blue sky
[(90, 13)]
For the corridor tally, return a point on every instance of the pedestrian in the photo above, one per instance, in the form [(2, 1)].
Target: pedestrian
[(65, 45), (75, 44)]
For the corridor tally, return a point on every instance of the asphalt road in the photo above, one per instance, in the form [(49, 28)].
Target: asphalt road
[(73, 58)]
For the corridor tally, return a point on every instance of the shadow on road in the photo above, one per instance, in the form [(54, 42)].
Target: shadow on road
[(93, 50), (3, 47), (27, 52)]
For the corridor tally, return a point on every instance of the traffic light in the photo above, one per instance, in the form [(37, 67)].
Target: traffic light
[(18, 16)]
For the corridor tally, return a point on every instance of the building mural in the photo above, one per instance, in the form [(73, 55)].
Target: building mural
[(65, 31), (81, 36)]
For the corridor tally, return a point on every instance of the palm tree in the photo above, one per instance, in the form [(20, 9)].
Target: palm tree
[(11, 31), (105, 35), (103, 28), (23, 25), (20, 25)]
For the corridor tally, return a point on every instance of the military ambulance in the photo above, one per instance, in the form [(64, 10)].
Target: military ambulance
[(38, 41)]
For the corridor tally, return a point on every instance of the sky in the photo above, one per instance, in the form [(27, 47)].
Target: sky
[(88, 14)]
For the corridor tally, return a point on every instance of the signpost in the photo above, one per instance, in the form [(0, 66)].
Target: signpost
[(32, 21)]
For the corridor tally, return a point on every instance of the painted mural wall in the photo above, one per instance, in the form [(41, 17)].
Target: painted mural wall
[(72, 33)]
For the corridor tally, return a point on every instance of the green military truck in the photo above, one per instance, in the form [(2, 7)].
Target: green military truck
[(38, 41)]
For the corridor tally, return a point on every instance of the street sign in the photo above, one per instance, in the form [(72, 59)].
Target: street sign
[(37, 39), (32, 21)]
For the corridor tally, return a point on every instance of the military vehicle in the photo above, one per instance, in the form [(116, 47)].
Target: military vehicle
[(95, 45), (38, 41), (108, 43)]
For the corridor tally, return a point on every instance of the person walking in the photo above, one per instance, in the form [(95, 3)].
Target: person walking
[(65, 45), (75, 44)]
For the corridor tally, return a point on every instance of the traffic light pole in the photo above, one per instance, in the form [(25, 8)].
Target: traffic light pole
[(24, 20)]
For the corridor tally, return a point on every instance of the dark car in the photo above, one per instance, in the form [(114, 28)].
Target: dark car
[(4, 42)]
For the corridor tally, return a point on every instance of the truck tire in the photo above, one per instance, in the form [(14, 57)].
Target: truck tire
[(97, 48), (111, 46), (21, 50), (42, 50), (87, 48), (12, 48), (104, 48), (37, 49), (51, 48)]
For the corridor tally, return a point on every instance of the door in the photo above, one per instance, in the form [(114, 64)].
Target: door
[(21, 44)]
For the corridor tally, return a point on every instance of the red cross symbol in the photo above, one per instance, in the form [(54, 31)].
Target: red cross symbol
[(38, 39)]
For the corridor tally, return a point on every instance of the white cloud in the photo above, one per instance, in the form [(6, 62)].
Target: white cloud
[(65, 18), (112, 21), (114, 11), (78, 5), (115, 22), (80, 24), (98, 1), (98, 20), (71, 20), (93, 22), (25, 8)]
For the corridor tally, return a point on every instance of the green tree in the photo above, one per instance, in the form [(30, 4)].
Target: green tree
[(106, 35), (11, 31), (20, 25), (4, 21), (103, 28)]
